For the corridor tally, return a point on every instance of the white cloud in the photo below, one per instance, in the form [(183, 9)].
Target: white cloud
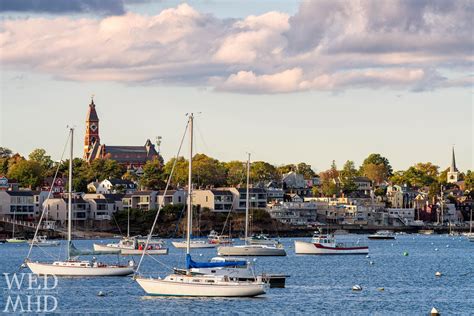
[(326, 45)]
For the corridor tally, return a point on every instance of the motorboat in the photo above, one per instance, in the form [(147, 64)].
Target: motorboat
[(382, 234), (327, 245), (215, 238), (195, 244), (262, 239), (187, 284), (133, 246), (42, 241)]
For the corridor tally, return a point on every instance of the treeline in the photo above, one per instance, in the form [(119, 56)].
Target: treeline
[(210, 172)]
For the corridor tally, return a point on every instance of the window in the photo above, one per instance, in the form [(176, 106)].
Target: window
[(57, 207)]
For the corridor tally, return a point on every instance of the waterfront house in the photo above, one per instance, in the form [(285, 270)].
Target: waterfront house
[(18, 204), (143, 200), (294, 213), (57, 210), (257, 198), (217, 200)]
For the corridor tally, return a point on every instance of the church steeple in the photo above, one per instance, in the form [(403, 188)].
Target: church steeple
[(453, 163), (453, 173), (92, 130)]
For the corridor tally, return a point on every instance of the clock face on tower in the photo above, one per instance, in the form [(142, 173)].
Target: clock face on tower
[(93, 127)]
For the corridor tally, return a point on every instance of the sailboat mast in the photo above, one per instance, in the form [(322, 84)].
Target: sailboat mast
[(128, 223), (247, 202), (190, 186), (470, 223), (69, 206)]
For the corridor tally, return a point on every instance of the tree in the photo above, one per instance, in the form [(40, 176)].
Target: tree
[(376, 168), (305, 170), (152, 178), (286, 168), (28, 173), (5, 152), (419, 175), (236, 172), (180, 174), (328, 185), (39, 155), (469, 182), (261, 172), (347, 176), (208, 171)]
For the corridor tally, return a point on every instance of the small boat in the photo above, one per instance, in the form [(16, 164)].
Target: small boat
[(242, 270), (16, 240), (426, 232), (133, 246), (188, 284), (327, 245), (215, 238), (42, 241), (71, 266), (195, 244), (382, 234), (262, 239), (341, 232)]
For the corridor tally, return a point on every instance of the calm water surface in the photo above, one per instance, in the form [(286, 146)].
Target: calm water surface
[(318, 284)]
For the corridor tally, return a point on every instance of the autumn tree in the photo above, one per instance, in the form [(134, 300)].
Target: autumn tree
[(286, 168), (376, 168), (330, 180)]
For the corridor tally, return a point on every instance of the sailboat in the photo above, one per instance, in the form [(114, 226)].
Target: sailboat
[(195, 244), (251, 249), (187, 284), (42, 241), (15, 240), (470, 235), (71, 266)]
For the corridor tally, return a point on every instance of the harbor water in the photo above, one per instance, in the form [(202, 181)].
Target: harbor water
[(398, 278)]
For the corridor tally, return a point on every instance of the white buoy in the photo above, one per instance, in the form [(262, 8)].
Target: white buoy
[(254, 259), (200, 255), (436, 249), (381, 289), (101, 293), (434, 312), (368, 256), (371, 262), (447, 246), (438, 274), (357, 287)]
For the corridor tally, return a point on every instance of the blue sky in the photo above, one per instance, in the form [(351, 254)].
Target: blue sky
[(267, 78)]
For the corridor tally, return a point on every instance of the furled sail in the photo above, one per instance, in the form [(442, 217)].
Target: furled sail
[(190, 263)]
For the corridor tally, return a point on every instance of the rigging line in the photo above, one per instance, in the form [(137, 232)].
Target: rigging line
[(167, 266), (179, 219), (163, 201), (49, 195), (116, 223), (202, 139)]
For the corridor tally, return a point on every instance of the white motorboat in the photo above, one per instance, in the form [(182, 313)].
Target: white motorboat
[(132, 246), (215, 238), (188, 284), (382, 234), (42, 241), (327, 245), (195, 244), (262, 239), (71, 266)]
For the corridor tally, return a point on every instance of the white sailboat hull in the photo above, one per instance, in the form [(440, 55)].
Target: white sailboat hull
[(51, 269), (250, 250), (46, 244), (164, 287), (309, 248), (132, 252), (193, 245)]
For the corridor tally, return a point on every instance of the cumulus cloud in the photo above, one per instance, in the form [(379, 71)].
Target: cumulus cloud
[(327, 45)]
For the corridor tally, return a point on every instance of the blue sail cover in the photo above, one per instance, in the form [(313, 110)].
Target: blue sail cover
[(190, 263)]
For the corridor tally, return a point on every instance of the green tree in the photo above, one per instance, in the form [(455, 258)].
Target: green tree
[(28, 173), (5, 152), (208, 171), (347, 176), (286, 168), (236, 172), (305, 170), (261, 172), (39, 155), (180, 174), (152, 178), (328, 185)]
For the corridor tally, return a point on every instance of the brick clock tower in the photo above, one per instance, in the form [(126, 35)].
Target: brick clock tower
[(92, 130)]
